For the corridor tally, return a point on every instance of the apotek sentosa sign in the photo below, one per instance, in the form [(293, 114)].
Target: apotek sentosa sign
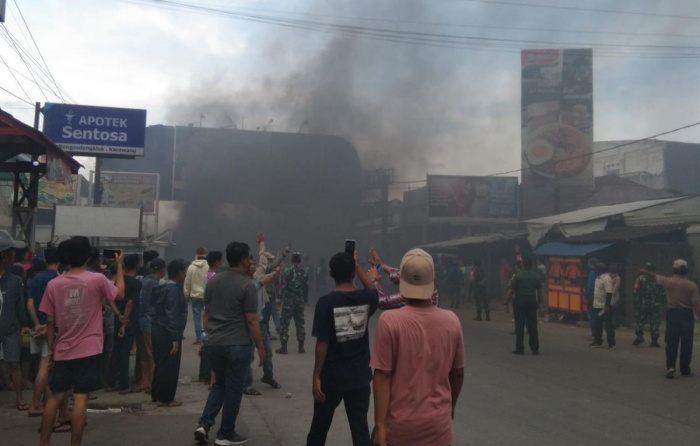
[(96, 131)]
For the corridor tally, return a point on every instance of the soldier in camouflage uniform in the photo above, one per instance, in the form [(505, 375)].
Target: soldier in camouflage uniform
[(648, 297), (296, 292)]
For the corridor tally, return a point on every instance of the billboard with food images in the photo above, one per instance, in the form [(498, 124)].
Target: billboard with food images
[(57, 192), (557, 115), (130, 190), (472, 198)]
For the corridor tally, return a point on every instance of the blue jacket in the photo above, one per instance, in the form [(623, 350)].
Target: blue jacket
[(12, 313), (169, 308), (590, 285)]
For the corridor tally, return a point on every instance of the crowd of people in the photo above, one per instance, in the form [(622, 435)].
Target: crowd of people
[(83, 317)]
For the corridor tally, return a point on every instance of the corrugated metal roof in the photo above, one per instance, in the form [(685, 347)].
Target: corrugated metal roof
[(566, 249), (624, 233), (475, 240), (598, 212)]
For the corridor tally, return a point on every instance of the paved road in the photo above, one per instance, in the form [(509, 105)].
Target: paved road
[(569, 395)]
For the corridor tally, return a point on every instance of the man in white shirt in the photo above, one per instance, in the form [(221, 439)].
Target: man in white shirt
[(602, 307)]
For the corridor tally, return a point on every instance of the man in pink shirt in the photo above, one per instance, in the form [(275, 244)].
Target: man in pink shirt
[(73, 305), (418, 357)]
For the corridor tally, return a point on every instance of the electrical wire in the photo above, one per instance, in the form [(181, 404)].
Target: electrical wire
[(11, 93), (580, 9), (41, 55), (36, 70), (579, 156), (463, 25), (434, 39)]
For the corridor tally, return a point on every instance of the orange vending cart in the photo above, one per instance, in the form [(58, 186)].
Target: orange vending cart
[(566, 274)]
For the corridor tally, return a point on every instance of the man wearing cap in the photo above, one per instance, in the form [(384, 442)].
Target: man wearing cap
[(418, 357), (296, 293), (648, 297), (12, 313), (682, 299), (602, 307)]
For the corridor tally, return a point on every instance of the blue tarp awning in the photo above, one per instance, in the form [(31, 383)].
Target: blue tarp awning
[(569, 249)]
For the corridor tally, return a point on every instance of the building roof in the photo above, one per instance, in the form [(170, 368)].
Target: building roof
[(17, 138), (567, 249), (626, 233), (598, 212), (474, 240)]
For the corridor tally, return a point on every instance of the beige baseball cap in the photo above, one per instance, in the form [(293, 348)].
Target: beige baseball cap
[(680, 263), (417, 275)]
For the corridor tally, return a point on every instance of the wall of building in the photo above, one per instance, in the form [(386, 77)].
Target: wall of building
[(641, 162)]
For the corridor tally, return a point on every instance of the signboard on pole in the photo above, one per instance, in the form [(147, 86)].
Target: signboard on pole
[(96, 131), (52, 192), (557, 115), (130, 190), (472, 198)]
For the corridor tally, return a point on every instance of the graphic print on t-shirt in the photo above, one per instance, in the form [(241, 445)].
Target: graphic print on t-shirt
[(75, 311), (350, 322)]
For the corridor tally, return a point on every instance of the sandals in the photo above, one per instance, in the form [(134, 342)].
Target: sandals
[(272, 383), (252, 392), (22, 406), (35, 413), (129, 391), (170, 404)]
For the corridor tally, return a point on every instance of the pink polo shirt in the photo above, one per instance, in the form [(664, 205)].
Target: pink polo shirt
[(75, 302), (420, 345)]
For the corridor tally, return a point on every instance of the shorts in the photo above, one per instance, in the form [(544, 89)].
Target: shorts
[(145, 324), (39, 345), (108, 346), (82, 375), (11, 347)]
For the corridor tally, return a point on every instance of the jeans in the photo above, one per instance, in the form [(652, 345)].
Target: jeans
[(271, 310), (267, 366), (607, 319), (119, 365), (680, 325), (197, 307), (356, 407), (525, 312), (231, 365)]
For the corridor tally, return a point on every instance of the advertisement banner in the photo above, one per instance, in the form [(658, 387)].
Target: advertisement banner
[(130, 190), (557, 115), (96, 131), (57, 192), (460, 197)]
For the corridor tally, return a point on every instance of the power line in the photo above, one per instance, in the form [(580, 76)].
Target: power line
[(580, 9), (578, 156), (41, 55), (16, 80), (605, 150), (431, 39), (11, 93), (464, 25), (33, 66)]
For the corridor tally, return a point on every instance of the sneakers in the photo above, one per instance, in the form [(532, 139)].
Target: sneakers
[(518, 352), (596, 345), (201, 434), (670, 373), (638, 341), (232, 440), (612, 346)]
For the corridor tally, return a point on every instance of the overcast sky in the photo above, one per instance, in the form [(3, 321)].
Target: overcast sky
[(456, 111)]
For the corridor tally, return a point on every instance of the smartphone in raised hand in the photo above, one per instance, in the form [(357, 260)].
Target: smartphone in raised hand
[(350, 246)]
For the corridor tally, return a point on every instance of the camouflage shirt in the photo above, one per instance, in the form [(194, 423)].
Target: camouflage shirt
[(296, 283), (647, 294)]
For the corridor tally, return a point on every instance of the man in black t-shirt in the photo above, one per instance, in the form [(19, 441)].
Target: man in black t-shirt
[(342, 371), (127, 321)]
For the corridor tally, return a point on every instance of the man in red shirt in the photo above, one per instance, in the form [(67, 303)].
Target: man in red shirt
[(418, 357)]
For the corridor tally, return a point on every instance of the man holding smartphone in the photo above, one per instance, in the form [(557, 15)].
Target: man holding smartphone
[(73, 302)]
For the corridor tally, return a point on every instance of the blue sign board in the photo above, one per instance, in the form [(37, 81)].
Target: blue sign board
[(96, 131)]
